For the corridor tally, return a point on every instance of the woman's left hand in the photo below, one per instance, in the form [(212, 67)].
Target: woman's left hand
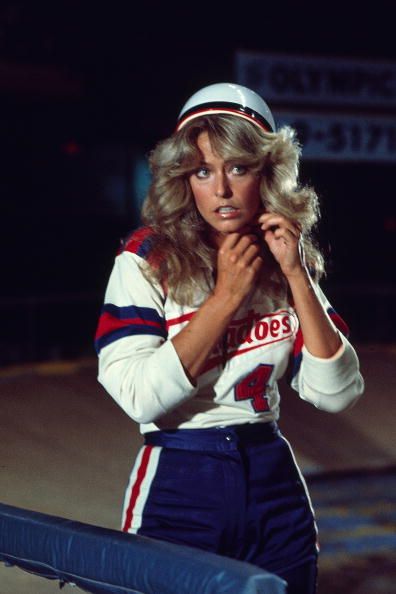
[(282, 237)]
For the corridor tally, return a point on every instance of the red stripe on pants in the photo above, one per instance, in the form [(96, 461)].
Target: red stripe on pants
[(141, 473)]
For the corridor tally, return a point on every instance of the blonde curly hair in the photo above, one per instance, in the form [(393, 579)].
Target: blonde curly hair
[(180, 241)]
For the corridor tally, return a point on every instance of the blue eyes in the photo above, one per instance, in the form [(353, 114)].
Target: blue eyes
[(204, 172), (239, 169)]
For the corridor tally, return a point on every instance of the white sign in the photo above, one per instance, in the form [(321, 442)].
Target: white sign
[(299, 80), (342, 137)]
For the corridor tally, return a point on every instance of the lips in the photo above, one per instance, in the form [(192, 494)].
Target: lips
[(227, 213), (226, 209)]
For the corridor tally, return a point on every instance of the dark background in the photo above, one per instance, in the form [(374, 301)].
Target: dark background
[(87, 89)]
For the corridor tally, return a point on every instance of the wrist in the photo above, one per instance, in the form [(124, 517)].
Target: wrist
[(223, 304), (299, 273)]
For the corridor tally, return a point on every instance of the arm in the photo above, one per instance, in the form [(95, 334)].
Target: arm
[(321, 338), (147, 374), (238, 264), (329, 375), (138, 366)]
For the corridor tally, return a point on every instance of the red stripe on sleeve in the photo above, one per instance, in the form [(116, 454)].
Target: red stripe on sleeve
[(339, 322), (298, 343), (108, 323), (135, 241)]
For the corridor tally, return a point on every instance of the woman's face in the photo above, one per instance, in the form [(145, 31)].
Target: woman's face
[(226, 193)]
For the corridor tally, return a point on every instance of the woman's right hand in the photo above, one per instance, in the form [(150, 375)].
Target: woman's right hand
[(239, 261), (238, 264)]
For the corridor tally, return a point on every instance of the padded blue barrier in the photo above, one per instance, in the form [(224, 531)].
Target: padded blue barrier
[(104, 561)]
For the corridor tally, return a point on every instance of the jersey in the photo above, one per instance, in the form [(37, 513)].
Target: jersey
[(141, 370)]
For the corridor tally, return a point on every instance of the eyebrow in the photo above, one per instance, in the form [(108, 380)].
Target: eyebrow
[(230, 161)]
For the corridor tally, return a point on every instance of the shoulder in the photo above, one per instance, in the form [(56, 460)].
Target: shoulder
[(140, 242)]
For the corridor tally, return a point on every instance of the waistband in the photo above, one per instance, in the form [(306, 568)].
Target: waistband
[(216, 439)]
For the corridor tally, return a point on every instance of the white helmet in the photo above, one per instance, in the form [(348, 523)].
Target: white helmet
[(228, 98)]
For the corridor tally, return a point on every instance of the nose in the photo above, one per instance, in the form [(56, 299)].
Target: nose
[(222, 186)]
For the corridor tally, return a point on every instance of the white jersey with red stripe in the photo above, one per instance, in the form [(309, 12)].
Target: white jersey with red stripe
[(140, 368)]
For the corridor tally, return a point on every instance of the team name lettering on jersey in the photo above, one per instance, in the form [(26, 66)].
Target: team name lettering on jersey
[(253, 331), (256, 328)]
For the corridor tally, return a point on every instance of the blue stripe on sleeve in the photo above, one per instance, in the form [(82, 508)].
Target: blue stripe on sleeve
[(117, 322), (134, 330), (133, 311)]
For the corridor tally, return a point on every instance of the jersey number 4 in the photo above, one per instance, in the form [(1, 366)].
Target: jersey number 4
[(253, 387)]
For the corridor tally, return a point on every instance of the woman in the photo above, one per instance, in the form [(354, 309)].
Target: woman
[(208, 306)]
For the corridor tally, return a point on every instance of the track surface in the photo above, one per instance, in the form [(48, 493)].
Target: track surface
[(66, 449)]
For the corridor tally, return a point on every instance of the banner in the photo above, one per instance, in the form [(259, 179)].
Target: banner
[(342, 137), (299, 80), (342, 109)]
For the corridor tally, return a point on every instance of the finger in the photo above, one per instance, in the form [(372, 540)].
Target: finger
[(250, 254), (276, 221), (252, 270), (230, 241), (286, 234), (235, 247), (248, 269), (244, 243), (268, 217), (269, 220), (284, 226), (257, 264)]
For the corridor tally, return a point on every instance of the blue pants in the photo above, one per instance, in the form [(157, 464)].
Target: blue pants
[(234, 491)]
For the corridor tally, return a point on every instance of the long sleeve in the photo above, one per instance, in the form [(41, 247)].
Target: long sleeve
[(329, 384), (138, 366)]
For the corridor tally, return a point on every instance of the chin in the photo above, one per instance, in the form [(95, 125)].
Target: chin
[(237, 228)]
